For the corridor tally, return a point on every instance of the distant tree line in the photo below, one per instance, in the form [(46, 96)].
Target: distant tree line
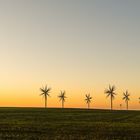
[(110, 92)]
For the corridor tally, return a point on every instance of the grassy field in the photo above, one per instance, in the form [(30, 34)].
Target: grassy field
[(68, 124)]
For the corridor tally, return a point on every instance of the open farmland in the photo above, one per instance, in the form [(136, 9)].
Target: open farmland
[(61, 124)]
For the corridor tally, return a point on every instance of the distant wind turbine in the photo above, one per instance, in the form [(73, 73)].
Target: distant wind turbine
[(88, 100), (126, 98), (111, 92), (62, 97), (45, 93)]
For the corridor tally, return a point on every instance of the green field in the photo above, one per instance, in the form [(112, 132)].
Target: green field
[(67, 124)]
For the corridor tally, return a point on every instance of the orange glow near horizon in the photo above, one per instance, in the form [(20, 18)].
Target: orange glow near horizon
[(31, 98)]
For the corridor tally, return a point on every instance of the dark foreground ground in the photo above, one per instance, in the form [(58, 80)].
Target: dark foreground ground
[(68, 124)]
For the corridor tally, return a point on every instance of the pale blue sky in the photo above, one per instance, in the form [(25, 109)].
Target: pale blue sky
[(70, 43)]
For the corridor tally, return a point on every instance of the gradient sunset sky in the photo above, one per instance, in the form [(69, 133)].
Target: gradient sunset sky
[(80, 46)]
